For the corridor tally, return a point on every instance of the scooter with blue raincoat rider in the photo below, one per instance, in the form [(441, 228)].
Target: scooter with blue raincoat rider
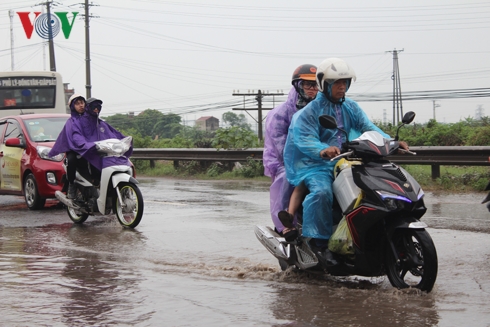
[(308, 145)]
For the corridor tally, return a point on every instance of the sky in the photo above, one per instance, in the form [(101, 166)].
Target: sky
[(189, 57)]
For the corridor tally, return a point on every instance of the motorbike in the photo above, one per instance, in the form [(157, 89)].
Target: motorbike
[(380, 205), (116, 192)]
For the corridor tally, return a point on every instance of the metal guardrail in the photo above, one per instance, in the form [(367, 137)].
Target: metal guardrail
[(197, 154), (426, 155), (435, 156)]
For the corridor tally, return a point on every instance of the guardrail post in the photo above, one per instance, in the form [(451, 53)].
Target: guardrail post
[(436, 171), (152, 163), (176, 164)]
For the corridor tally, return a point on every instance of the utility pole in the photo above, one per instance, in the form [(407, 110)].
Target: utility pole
[(52, 61), (11, 15), (258, 96), (88, 82), (397, 91), (479, 112), (434, 106)]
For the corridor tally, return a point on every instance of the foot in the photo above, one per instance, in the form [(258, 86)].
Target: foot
[(290, 234), (72, 191), (286, 219), (325, 257)]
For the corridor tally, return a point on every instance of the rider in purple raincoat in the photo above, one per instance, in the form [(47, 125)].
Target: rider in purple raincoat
[(276, 125), (93, 129)]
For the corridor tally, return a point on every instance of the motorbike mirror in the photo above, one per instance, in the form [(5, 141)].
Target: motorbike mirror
[(327, 121), (408, 117)]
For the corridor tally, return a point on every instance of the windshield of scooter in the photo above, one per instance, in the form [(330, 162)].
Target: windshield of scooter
[(373, 137), (114, 147)]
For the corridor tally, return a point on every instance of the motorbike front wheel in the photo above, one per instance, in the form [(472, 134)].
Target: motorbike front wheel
[(415, 263), (130, 211)]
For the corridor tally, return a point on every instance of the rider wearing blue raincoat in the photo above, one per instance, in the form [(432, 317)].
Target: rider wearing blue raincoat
[(309, 147), (277, 123)]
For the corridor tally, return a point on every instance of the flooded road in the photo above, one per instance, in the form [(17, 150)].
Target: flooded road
[(194, 261)]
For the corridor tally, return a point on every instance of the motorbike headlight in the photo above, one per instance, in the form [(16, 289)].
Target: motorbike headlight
[(43, 151), (392, 200)]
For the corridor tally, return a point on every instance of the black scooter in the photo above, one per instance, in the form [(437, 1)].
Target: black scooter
[(381, 205)]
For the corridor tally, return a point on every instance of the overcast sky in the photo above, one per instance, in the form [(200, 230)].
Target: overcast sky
[(188, 57)]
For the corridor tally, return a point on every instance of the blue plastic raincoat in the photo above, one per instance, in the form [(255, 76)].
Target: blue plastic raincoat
[(306, 138), (276, 131)]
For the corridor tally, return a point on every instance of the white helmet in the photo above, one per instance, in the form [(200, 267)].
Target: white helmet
[(74, 97), (331, 70)]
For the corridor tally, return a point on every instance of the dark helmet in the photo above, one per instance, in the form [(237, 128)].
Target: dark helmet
[(305, 72), (92, 104)]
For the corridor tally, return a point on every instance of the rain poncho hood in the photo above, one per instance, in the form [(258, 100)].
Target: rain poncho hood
[(63, 142), (276, 132), (306, 137), (84, 132)]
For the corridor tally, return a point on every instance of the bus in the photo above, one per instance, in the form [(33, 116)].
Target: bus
[(31, 92)]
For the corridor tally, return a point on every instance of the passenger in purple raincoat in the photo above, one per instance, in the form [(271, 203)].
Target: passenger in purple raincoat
[(276, 126), (77, 109)]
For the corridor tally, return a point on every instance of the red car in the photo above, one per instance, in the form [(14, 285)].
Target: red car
[(25, 168)]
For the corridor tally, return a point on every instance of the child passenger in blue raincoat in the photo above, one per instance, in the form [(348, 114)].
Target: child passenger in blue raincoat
[(308, 145)]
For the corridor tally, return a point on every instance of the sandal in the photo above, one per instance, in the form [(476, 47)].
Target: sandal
[(286, 219), (289, 234)]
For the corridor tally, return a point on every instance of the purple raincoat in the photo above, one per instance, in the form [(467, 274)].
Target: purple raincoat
[(276, 132), (79, 135), (93, 129), (64, 141)]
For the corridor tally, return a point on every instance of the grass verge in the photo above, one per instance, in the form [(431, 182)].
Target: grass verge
[(453, 178)]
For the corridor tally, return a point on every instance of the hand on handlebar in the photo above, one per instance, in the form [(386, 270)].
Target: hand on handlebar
[(330, 152), (403, 148)]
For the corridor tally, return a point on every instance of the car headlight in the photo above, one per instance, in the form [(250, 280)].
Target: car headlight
[(43, 151)]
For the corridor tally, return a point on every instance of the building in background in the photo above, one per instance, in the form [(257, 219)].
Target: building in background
[(207, 123)]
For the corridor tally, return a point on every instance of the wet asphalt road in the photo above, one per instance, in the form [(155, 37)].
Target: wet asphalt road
[(194, 261)]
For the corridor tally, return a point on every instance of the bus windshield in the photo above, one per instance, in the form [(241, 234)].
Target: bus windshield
[(27, 92), (31, 92)]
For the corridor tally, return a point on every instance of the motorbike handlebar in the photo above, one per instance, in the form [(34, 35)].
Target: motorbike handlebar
[(407, 151), (345, 154)]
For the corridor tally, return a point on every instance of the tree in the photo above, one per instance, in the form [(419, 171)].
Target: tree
[(120, 121), (152, 122), (233, 120), (235, 138)]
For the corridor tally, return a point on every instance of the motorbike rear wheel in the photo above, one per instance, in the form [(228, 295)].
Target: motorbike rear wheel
[(130, 211), (77, 216), (416, 262)]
